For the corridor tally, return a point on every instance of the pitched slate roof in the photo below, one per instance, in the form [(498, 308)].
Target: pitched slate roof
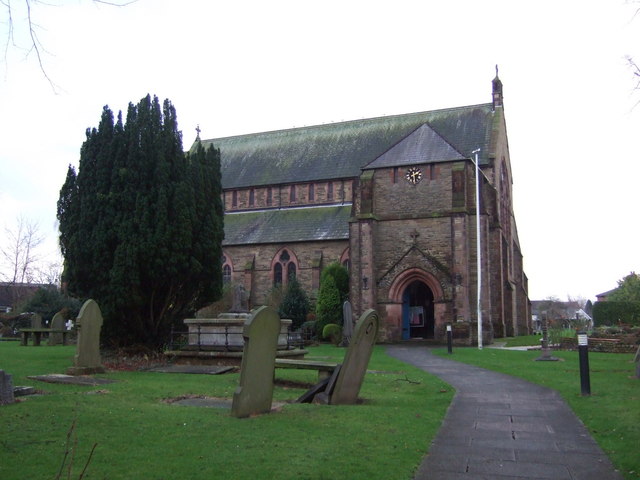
[(288, 225), (423, 145), (341, 150)]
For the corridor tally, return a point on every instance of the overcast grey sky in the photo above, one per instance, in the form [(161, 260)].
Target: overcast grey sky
[(238, 67)]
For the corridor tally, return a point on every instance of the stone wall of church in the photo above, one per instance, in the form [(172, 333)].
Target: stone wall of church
[(293, 195), (395, 197), (253, 265)]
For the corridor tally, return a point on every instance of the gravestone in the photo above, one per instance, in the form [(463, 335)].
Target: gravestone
[(6, 389), (255, 391), (57, 323), (356, 360), (636, 359), (87, 359), (347, 323), (36, 321)]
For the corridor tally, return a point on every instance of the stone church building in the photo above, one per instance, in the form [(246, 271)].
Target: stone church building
[(393, 199)]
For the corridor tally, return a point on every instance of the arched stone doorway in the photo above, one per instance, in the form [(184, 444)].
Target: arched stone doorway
[(417, 296), (418, 320)]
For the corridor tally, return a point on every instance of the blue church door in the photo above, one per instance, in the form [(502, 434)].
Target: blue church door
[(417, 311)]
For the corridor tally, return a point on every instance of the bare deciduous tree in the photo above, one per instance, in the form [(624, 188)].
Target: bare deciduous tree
[(25, 20), (19, 256)]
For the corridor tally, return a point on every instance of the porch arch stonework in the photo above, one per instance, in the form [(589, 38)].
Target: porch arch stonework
[(393, 308)]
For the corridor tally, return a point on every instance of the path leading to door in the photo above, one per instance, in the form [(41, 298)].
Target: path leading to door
[(500, 427)]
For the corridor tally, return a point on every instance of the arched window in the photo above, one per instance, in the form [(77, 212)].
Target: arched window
[(284, 262), (291, 270), (226, 269), (345, 259), (277, 274)]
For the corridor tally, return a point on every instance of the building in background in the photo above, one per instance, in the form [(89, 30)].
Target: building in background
[(393, 199)]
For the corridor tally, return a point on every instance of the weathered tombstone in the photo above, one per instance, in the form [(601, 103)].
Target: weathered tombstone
[(6, 389), (255, 392), (87, 359), (347, 323), (36, 321), (636, 359), (356, 360), (57, 323)]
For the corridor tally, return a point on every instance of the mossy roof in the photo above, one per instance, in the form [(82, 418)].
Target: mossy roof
[(342, 150), (288, 225)]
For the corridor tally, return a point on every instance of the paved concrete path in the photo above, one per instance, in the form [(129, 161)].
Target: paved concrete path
[(499, 427)]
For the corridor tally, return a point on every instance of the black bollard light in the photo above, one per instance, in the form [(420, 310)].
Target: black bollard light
[(449, 340), (583, 354)]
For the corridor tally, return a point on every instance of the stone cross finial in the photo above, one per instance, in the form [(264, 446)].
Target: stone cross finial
[(198, 131)]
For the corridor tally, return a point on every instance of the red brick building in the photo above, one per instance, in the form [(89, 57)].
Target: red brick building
[(394, 199)]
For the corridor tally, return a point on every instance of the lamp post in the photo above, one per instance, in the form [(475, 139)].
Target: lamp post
[(478, 250)]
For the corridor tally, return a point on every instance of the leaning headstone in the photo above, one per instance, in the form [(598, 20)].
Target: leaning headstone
[(356, 360), (6, 389), (255, 392), (347, 323), (87, 359), (637, 360), (57, 323)]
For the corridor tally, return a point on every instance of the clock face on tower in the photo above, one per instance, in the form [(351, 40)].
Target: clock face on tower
[(413, 175)]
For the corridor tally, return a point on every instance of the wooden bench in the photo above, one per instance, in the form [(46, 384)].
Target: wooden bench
[(37, 335), (325, 369)]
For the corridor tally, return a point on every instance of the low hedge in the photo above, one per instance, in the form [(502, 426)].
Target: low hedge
[(614, 313)]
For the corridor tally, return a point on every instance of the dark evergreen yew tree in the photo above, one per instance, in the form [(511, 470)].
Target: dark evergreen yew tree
[(295, 304), (141, 224)]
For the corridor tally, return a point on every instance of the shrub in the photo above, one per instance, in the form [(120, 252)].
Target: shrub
[(308, 331), (614, 313), (340, 275), (332, 332), (46, 302), (329, 307), (295, 304)]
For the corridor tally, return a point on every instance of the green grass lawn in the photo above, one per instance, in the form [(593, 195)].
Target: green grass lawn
[(138, 435), (521, 341), (611, 413)]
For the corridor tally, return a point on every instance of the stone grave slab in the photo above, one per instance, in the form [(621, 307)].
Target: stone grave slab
[(71, 379), (195, 369), (255, 391), (89, 323)]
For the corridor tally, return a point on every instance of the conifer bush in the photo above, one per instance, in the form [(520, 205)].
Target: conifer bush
[(295, 304), (329, 306)]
